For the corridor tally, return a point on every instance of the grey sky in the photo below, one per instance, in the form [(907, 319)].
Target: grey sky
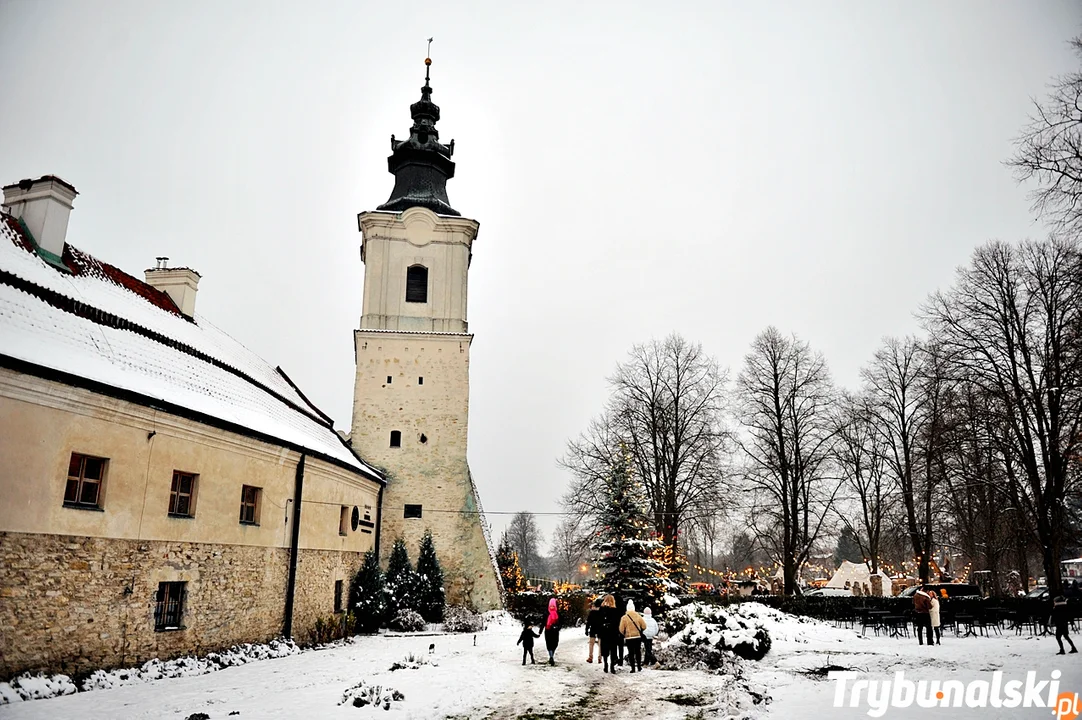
[(710, 168)]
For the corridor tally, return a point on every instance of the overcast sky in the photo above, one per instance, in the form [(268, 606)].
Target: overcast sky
[(707, 168)]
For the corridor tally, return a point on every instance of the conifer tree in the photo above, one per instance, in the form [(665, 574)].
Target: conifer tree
[(366, 595), (430, 592), (401, 583), (627, 553), (510, 571)]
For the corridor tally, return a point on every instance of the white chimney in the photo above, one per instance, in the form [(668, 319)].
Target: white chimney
[(44, 206), (180, 284)]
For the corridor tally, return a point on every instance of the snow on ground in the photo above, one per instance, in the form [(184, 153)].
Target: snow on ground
[(487, 681)]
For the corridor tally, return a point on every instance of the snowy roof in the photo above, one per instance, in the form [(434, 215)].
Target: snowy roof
[(855, 572), (100, 327)]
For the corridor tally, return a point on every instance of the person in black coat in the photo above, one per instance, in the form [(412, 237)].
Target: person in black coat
[(593, 626), (609, 632), (526, 640), (1061, 619)]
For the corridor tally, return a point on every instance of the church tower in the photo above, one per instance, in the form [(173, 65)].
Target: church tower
[(412, 393)]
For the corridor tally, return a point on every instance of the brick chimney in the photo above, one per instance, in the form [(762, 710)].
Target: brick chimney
[(180, 284), (44, 206)]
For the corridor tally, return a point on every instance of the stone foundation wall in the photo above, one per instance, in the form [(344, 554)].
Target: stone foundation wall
[(75, 604), (314, 595)]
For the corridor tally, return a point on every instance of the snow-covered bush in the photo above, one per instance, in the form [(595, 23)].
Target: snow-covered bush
[(408, 621), (363, 694), (414, 662), (712, 628), (460, 619), (36, 687)]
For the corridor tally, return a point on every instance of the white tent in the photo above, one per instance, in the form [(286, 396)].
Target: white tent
[(854, 573)]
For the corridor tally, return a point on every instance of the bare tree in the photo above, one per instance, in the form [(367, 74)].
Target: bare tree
[(893, 383), (785, 393), (860, 454), (667, 409), (570, 546), (1012, 325), (1049, 151), (525, 538)]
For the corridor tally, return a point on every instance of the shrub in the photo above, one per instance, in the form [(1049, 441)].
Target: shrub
[(711, 629), (363, 694), (430, 593), (367, 597), (408, 621), (401, 581), (459, 619)]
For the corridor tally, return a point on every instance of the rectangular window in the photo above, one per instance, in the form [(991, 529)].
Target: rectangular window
[(169, 606), (338, 596), (85, 477), (412, 511), (343, 521), (182, 495), (389, 379), (396, 438), (420, 381), (249, 504)]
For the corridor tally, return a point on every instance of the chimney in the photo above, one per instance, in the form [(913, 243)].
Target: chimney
[(179, 284), (44, 206)]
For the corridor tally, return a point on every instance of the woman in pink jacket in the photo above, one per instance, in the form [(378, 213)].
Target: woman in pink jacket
[(552, 631)]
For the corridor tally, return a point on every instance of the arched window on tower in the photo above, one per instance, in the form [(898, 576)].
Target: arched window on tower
[(417, 284)]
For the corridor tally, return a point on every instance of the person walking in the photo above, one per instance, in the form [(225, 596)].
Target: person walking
[(648, 636), (933, 617), (922, 604), (593, 626), (608, 632), (552, 631), (631, 627), (1061, 619), (526, 639)]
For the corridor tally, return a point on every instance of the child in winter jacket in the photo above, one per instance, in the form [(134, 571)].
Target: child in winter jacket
[(526, 639), (648, 636)]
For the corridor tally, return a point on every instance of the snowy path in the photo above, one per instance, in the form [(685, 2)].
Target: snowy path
[(487, 681)]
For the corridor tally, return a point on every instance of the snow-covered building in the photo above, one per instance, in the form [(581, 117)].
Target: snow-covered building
[(851, 574), (165, 491)]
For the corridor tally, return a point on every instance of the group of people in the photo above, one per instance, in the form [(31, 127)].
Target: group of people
[(926, 618), (608, 630), (926, 615)]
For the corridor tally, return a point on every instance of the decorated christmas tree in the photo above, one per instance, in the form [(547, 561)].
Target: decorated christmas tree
[(628, 554), (510, 571), (402, 581), (366, 595), (430, 593)]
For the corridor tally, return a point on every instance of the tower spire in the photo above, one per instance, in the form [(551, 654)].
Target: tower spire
[(422, 164)]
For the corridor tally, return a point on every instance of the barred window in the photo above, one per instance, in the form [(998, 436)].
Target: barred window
[(169, 606)]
